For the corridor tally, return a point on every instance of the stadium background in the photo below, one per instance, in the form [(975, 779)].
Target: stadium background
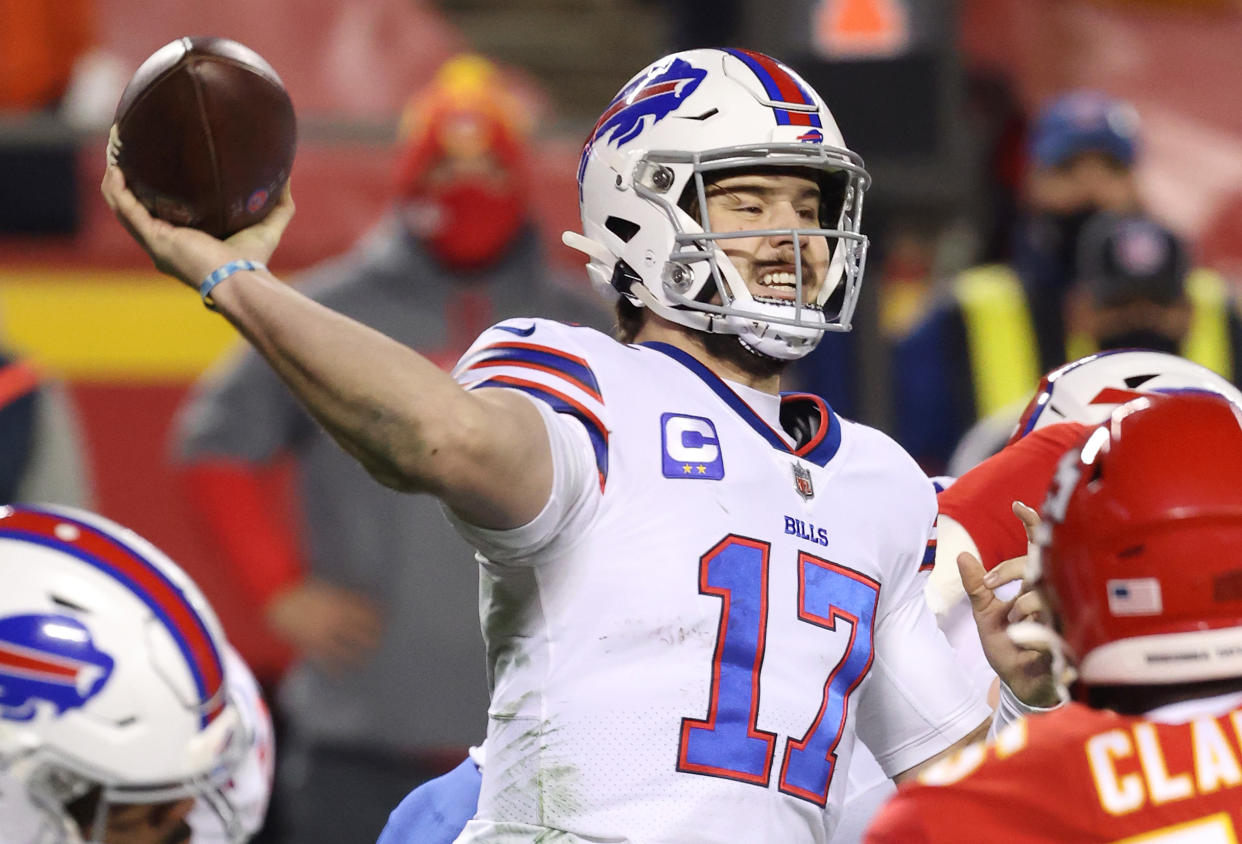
[(85, 307)]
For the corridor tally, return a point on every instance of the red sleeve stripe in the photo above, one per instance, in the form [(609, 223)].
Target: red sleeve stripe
[(568, 367), (562, 403)]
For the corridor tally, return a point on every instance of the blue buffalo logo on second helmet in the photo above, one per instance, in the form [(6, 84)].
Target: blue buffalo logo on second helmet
[(48, 658)]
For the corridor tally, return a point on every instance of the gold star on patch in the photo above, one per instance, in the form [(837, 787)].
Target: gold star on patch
[(685, 469)]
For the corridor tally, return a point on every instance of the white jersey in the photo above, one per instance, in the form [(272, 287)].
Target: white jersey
[(686, 640)]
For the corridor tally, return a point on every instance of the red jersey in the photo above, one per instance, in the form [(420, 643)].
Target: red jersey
[(981, 500), (1076, 776)]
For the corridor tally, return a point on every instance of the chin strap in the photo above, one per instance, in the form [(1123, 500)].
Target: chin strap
[(593, 249), (601, 266)]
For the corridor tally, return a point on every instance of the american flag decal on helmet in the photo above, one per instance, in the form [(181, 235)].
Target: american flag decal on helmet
[(1135, 596)]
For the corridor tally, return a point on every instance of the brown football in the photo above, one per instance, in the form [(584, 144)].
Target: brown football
[(205, 135)]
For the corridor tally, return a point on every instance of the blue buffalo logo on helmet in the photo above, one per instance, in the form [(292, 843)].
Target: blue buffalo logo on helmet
[(51, 658), (656, 94)]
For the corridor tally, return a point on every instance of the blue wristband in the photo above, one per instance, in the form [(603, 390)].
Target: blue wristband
[(221, 273)]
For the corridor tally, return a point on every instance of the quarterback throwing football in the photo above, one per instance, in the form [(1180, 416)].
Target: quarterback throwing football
[(696, 592)]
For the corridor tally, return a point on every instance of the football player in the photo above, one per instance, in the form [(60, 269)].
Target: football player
[(125, 717), (977, 512), (691, 585), (975, 516), (1138, 562)]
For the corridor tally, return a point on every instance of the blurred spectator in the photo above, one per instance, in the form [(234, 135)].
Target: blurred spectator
[(18, 403), (1132, 288), (41, 459), (1129, 289), (1001, 325), (388, 687)]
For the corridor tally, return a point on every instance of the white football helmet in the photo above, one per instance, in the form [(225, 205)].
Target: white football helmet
[(688, 116), (112, 678), (1087, 390)]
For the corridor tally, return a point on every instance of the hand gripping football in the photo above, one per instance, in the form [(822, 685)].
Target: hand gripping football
[(205, 134)]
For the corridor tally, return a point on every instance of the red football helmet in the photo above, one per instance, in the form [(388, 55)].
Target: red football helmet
[(1140, 552)]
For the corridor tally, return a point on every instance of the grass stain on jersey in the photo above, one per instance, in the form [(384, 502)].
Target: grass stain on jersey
[(556, 782), (505, 601), (557, 787), (507, 710)]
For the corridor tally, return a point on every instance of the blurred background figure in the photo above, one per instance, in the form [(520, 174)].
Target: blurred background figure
[(365, 584), (1001, 325), (125, 716), (463, 181), (982, 347), (42, 454), (45, 47), (1131, 287), (18, 411)]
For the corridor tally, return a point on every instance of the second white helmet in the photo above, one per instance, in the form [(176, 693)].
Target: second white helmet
[(1088, 389), (112, 676)]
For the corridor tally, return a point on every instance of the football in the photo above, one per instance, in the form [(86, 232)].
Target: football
[(205, 134)]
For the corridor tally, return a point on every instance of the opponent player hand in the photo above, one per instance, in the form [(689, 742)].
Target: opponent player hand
[(1029, 605), (331, 626), (185, 253), (1027, 671)]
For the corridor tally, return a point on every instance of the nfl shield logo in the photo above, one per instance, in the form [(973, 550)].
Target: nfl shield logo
[(802, 482)]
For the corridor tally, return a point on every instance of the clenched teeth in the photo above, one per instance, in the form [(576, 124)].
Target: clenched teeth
[(778, 279)]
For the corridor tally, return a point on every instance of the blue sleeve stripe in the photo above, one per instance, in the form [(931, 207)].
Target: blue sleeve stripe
[(573, 369), (562, 403)]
